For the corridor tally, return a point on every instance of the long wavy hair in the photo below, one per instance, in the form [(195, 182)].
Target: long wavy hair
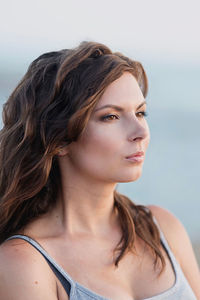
[(49, 109)]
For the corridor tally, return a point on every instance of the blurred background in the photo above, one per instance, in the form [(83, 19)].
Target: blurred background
[(164, 36)]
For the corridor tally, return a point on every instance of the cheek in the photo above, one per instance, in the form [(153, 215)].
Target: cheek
[(97, 153), (100, 152), (100, 145)]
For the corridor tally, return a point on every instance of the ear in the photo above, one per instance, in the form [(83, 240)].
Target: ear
[(63, 151)]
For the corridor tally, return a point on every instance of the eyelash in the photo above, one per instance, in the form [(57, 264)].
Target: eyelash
[(106, 118), (141, 114)]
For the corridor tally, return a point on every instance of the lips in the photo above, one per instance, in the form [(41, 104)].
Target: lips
[(136, 157)]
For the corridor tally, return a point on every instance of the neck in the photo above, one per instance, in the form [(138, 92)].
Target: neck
[(85, 204), (86, 208)]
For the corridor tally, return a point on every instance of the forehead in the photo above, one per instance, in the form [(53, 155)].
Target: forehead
[(123, 91)]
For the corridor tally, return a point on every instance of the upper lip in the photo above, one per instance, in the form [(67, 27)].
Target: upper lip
[(139, 153)]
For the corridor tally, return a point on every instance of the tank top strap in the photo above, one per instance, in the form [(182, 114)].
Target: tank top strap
[(162, 237), (167, 248), (66, 281)]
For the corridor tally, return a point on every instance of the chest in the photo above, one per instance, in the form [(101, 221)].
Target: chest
[(92, 266)]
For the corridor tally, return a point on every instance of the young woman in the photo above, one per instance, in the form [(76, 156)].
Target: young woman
[(73, 128)]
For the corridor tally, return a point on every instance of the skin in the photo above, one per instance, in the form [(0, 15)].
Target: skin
[(82, 230)]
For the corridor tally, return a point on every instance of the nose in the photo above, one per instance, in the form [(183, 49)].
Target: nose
[(138, 131)]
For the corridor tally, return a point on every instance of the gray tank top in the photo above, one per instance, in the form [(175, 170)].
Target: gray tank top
[(181, 289)]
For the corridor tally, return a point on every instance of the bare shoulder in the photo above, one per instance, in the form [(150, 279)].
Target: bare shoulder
[(23, 271), (170, 225), (174, 232), (180, 244)]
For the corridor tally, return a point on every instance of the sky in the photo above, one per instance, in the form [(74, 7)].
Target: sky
[(159, 30)]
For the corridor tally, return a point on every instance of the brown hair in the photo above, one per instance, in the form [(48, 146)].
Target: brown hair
[(50, 108)]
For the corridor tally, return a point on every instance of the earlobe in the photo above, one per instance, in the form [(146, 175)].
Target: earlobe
[(63, 151)]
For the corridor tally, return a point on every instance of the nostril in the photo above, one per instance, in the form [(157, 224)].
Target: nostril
[(131, 139), (138, 138)]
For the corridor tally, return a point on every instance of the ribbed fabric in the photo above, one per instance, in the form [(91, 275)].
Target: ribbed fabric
[(181, 290)]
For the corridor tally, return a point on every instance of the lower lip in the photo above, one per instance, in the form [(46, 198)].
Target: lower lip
[(136, 159)]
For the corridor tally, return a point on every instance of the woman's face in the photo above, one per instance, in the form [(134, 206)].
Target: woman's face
[(116, 130)]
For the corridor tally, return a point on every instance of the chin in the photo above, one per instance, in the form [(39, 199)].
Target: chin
[(133, 176)]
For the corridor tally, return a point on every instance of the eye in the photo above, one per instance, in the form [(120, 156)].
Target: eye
[(110, 117), (142, 114)]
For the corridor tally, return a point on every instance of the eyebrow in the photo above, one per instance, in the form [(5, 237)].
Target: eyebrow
[(118, 108)]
